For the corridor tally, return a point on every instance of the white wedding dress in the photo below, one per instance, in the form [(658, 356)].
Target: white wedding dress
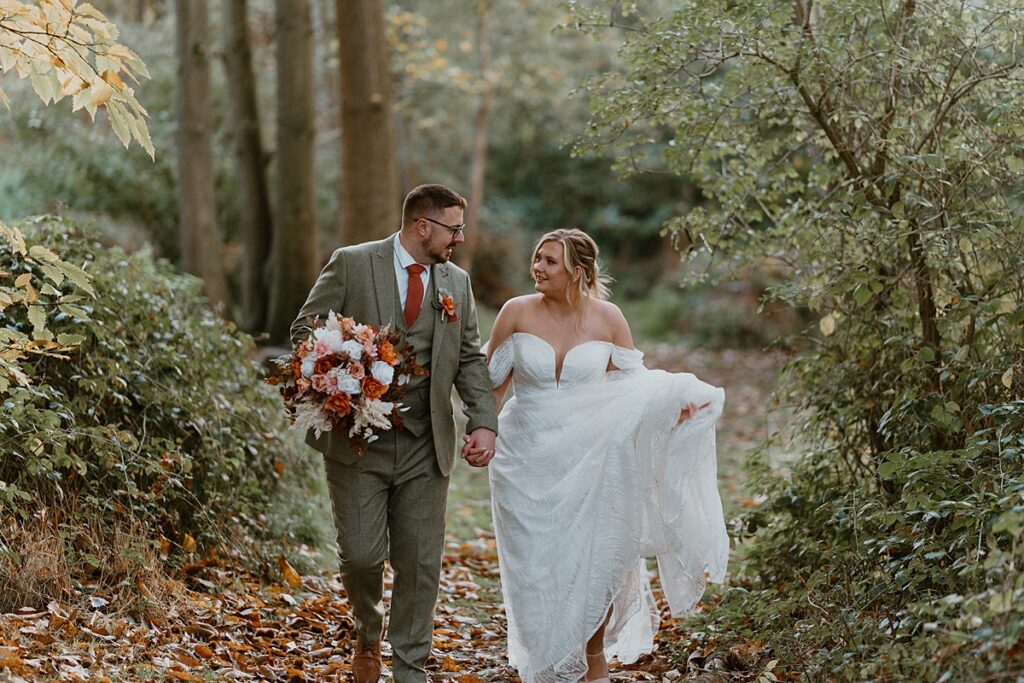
[(591, 476)]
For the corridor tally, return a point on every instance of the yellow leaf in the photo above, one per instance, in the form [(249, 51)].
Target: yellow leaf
[(290, 575), (188, 543), (101, 92), (1007, 379), (23, 280), (450, 664), (828, 324), (113, 79)]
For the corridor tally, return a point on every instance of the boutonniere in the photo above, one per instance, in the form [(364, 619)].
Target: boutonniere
[(446, 304)]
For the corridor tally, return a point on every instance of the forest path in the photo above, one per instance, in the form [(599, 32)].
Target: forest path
[(227, 624)]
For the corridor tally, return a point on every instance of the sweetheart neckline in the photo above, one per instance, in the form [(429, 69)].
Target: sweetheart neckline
[(560, 367)]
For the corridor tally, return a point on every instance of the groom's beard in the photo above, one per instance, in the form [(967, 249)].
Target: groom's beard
[(443, 255)]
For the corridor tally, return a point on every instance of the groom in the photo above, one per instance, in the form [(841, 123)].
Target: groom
[(390, 503)]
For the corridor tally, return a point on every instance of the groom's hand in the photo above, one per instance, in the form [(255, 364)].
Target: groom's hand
[(479, 447)]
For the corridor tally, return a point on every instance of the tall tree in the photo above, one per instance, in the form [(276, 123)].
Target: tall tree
[(254, 213), (294, 253), (478, 165), (197, 211), (369, 178)]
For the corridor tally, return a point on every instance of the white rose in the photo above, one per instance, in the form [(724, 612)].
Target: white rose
[(308, 365), (403, 379), (349, 385), (353, 348), (335, 341), (382, 372)]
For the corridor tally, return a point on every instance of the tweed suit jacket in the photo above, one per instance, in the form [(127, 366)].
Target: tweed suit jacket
[(360, 282)]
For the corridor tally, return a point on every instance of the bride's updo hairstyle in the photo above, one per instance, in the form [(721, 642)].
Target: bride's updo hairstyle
[(580, 252)]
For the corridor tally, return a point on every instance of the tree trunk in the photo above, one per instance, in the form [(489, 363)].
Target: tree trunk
[(197, 213), (478, 166), (253, 195), (294, 254), (369, 195)]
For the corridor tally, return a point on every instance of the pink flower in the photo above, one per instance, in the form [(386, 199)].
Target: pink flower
[(321, 348), (347, 325), (357, 370), (364, 334), (303, 384), (370, 349), (326, 384)]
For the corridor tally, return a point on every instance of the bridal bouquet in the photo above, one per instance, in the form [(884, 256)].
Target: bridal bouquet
[(346, 376)]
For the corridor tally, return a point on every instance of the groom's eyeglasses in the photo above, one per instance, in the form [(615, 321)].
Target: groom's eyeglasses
[(456, 230)]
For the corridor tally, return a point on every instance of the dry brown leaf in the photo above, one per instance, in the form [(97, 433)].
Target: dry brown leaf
[(188, 543), (289, 574), (204, 651), (184, 676), (449, 664)]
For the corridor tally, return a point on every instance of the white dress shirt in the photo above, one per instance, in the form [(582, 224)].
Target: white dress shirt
[(403, 259)]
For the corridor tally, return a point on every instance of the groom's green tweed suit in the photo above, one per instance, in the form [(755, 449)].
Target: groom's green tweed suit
[(390, 504)]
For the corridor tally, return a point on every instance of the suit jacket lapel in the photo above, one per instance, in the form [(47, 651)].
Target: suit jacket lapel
[(385, 286), (439, 280)]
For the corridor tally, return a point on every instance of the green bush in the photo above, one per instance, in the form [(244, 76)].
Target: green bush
[(155, 420)]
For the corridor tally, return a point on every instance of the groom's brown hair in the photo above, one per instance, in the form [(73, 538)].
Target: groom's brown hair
[(425, 199)]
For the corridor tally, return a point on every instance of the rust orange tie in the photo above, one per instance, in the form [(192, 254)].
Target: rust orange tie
[(413, 297)]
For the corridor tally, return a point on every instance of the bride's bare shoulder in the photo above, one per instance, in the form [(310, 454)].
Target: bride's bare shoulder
[(519, 305), (613, 323), (510, 317)]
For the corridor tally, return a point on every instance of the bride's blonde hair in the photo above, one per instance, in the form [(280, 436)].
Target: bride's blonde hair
[(580, 251)]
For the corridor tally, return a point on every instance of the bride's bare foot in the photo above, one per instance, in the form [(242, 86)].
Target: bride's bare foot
[(597, 665)]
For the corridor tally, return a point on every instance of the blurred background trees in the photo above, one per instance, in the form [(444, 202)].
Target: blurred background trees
[(302, 160)]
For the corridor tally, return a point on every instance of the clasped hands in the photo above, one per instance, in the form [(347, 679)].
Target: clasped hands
[(478, 447)]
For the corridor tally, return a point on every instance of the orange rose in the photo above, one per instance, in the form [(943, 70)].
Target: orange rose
[(386, 352), (297, 369), (373, 389), (339, 404), (448, 304)]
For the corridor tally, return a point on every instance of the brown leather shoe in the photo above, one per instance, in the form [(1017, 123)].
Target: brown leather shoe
[(366, 665)]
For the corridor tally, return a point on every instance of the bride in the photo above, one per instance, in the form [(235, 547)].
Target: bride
[(600, 463)]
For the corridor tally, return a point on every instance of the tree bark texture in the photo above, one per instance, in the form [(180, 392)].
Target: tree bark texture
[(369, 195), (197, 213), (294, 252), (478, 165), (254, 213)]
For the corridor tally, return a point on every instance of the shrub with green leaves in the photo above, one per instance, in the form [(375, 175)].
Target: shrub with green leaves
[(875, 152), (127, 399)]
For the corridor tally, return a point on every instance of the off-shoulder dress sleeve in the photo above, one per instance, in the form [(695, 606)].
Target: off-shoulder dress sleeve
[(627, 359), (500, 364)]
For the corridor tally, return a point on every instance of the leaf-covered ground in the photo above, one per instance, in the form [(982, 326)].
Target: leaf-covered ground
[(220, 623)]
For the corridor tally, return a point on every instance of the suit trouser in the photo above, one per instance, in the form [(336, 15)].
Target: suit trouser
[(390, 504)]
